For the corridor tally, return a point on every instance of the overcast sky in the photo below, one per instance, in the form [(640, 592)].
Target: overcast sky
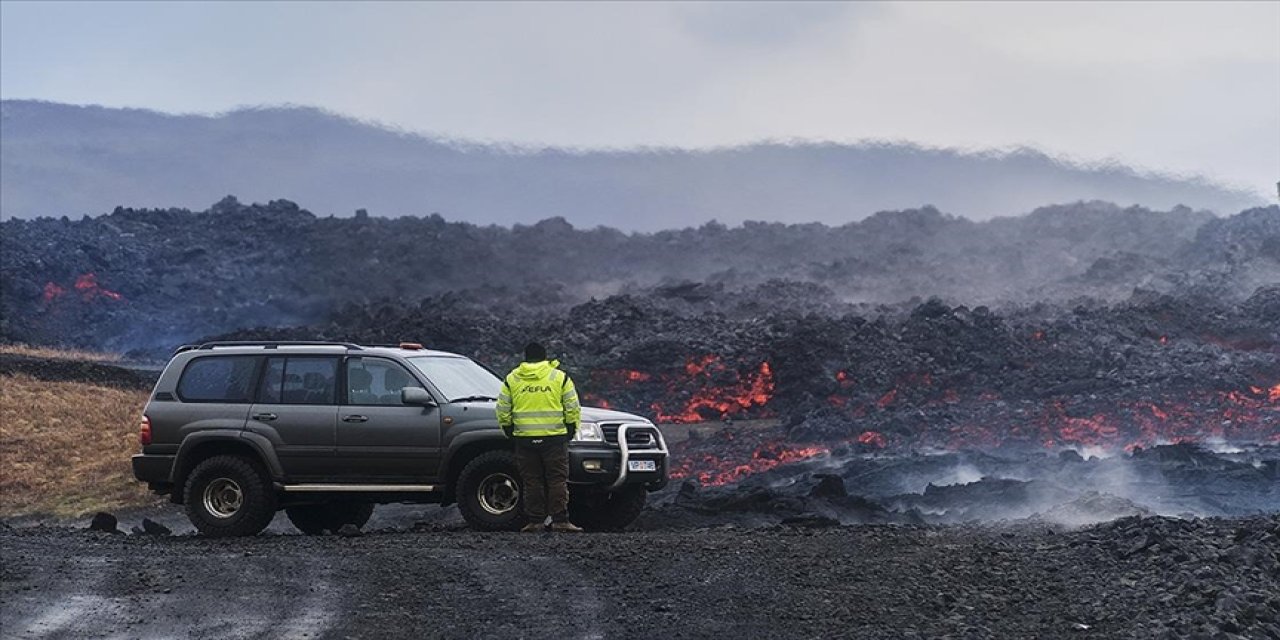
[(1179, 86)]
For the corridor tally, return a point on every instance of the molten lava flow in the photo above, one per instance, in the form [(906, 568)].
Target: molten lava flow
[(86, 285), (762, 386), (1060, 428), (872, 439), (703, 388), (1158, 412), (52, 291), (887, 399), (1231, 415), (710, 400), (695, 368), (712, 470), (1250, 415)]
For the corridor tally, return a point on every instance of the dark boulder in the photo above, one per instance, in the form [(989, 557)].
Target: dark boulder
[(829, 486), (104, 522), (151, 527)]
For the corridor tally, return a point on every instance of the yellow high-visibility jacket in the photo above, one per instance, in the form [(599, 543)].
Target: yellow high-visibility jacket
[(538, 400)]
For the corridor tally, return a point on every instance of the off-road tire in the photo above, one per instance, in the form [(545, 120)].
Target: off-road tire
[(612, 511), (481, 467), (315, 519), (257, 505)]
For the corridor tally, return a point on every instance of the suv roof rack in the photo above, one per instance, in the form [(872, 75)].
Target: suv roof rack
[(272, 344), (412, 346)]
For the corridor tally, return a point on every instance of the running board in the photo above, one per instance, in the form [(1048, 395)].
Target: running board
[(363, 488)]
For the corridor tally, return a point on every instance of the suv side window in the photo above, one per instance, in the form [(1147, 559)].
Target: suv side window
[(299, 380), (376, 381), (218, 379)]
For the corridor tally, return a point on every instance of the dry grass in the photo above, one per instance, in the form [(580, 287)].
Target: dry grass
[(65, 447), (58, 354)]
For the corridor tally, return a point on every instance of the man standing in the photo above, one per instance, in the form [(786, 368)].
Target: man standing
[(538, 407)]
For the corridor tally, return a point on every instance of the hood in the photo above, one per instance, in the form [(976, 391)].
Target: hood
[(593, 414), (589, 414), (535, 370)]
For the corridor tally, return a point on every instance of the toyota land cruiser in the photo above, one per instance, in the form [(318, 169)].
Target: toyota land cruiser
[(238, 430)]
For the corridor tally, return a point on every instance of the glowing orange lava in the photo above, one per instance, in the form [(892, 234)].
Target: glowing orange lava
[(86, 285), (52, 291), (872, 439), (887, 399), (709, 401), (715, 471)]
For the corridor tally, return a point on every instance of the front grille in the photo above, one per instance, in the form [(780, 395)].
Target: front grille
[(637, 437)]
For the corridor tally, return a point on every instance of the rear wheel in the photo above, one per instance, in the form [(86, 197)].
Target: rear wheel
[(488, 493), (229, 496), (315, 519), (608, 511)]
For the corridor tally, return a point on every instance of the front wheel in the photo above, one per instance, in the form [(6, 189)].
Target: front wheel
[(315, 519), (229, 496), (608, 511), (489, 491)]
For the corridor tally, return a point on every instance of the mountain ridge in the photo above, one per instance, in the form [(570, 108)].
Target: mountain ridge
[(75, 160)]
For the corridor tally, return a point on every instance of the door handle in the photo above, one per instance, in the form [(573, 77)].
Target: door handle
[(355, 419), (264, 417)]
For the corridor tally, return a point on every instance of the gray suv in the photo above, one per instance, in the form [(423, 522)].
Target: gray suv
[(238, 430)]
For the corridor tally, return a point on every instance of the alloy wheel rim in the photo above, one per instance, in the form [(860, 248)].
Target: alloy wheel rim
[(498, 494), (223, 498)]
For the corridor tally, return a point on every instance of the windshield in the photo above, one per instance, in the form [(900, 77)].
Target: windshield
[(458, 377)]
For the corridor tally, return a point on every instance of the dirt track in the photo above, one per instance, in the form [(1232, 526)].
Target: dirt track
[(859, 582)]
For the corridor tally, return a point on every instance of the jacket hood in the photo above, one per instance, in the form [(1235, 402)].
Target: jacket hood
[(535, 370)]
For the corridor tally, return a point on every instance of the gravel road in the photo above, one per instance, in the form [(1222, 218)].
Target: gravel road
[(1152, 577)]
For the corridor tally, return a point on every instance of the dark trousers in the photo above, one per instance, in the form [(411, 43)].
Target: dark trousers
[(544, 469)]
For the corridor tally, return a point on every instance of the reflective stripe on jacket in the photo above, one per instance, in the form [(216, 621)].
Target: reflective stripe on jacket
[(538, 400)]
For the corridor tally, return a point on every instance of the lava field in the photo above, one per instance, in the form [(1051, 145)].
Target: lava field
[(1085, 328), (1152, 370), (1060, 425), (153, 278)]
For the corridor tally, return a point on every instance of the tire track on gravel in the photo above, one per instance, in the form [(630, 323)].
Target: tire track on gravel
[(538, 588), (481, 588), (121, 590)]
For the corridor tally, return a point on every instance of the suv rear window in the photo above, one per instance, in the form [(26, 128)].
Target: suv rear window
[(218, 379), (299, 380)]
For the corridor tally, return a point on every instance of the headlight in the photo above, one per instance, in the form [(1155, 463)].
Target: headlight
[(589, 432)]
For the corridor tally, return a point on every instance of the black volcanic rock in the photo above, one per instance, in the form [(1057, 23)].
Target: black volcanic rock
[(104, 522), (829, 486), (154, 278)]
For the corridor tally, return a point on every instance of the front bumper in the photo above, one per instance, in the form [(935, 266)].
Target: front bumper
[(612, 462)]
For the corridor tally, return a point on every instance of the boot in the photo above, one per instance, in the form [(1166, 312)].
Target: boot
[(533, 527), (564, 526)]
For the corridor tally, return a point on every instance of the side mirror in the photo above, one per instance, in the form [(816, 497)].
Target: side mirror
[(416, 396)]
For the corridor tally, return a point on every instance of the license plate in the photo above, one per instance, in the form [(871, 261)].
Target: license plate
[(642, 465)]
